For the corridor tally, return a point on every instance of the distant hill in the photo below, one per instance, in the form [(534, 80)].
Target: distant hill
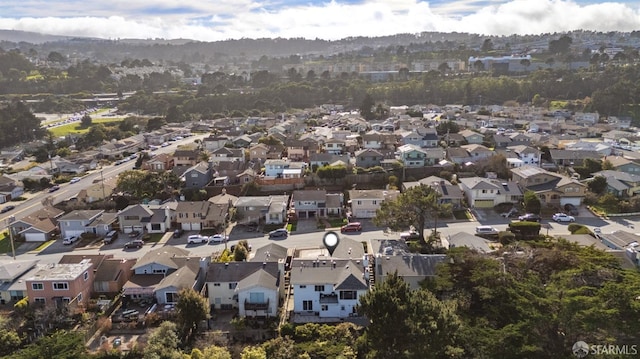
[(30, 37)]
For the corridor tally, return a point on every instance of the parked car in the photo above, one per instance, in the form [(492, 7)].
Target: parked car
[(110, 237), (54, 188), (7, 209), (351, 227), (571, 209), (486, 230), (409, 235), (136, 243), (218, 238), (178, 233), (75, 180), (563, 217), (134, 234), (278, 233), (512, 213), (196, 238), (530, 217), (69, 240)]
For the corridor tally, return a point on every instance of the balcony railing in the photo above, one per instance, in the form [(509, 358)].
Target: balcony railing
[(255, 306)]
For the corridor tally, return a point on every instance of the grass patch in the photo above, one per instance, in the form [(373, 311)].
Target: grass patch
[(77, 127), (44, 245), (337, 222), (153, 237), (5, 243), (461, 214)]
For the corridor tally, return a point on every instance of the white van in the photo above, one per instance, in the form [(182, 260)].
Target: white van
[(486, 230)]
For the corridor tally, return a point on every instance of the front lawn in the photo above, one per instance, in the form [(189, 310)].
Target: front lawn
[(5, 243), (461, 214)]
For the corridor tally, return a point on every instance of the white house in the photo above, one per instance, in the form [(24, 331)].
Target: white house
[(327, 288), (364, 203), (484, 193)]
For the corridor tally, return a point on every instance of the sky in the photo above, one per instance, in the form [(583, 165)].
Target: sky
[(213, 20)]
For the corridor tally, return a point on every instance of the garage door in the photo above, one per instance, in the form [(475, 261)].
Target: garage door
[(68, 234), (573, 200), (35, 237), (195, 227), (483, 203)]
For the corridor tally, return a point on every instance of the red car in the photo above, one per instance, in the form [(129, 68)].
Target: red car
[(351, 227)]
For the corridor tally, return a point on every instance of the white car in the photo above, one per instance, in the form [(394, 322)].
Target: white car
[(75, 180), (562, 217), (486, 230), (218, 238), (196, 238), (69, 240)]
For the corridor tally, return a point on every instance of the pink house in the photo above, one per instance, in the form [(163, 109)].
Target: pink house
[(61, 284)]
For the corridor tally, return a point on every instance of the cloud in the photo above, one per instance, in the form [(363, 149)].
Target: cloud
[(231, 19)]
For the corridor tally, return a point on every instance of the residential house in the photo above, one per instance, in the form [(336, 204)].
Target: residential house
[(434, 156), (619, 163), (365, 203), (621, 184), (96, 192), (247, 176), (335, 204), (163, 272), (411, 138), (413, 268), (199, 215), (10, 272), (268, 209), (454, 139), (253, 288), (258, 152), (61, 284), (242, 141), (226, 154), (367, 158), (198, 176), (458, 155), (335, 146), (77, 222), (186, 157), (528, 155), (500, 141), (159, 163), (327, 159), (412, 156), (112, 274), (572, 158), (63, 166), (478, 152), (519, 139), (301, 150), (39, 226), (284, 168), (327, 288), (485, 193), (604, 149), (145, 218), (472, 137), (378, 141), (215, 142), (553, 189), (310, 203), (9, 189)]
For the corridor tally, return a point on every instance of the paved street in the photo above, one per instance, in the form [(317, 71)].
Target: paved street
[(311, 237)]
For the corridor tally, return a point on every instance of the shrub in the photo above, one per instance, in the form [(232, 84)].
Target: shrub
[(583, 230), (525, 229), (573, 227), (506, 237)]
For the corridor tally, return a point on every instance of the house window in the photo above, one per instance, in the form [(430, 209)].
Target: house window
[(256, 297), (324, 307), (348, 294), (233, 285), (319, 288), (37, 286), (85, 275), (131, 218), (484, 191), (60, 286), (216, 284), (159, 271), (171, 297), (303, 286), (359, 203), (40, 300), (375, 202), (155, 226), (66, 300), (79, 297), (307, 305)]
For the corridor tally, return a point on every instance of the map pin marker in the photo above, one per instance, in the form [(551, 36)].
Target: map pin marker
[(331, 241)]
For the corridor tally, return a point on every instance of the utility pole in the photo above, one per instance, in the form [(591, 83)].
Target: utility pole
[(104, 196), (13, 248)]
